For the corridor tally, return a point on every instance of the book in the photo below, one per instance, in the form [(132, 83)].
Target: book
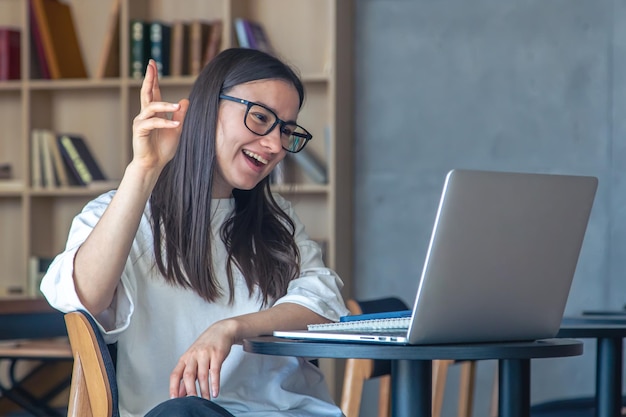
[(312, 166), (48, 176), (58, 36), (139, 47), (252, 34), (257, 37), (6, 171), (79, 160), (10, 67), (37, 268), (240, 31), (109, 65), (214, 43), (366, 324), (198, 36), (39, 65), (54, 153), (160, 34), (35, 161), (179, 49), (377, 316)]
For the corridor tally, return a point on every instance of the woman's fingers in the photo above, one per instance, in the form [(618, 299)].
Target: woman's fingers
[(214, 379), (155, 110), (146, 95), (189, 377), (191, 369), (150, 89), (176, 388)]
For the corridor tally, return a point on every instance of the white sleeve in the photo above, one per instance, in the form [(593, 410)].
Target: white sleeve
[(317, 288), (58, 282)]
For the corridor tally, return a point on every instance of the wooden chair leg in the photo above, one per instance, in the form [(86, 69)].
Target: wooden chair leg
[(467, 388), (356, 371), (440, 372), (384, 396), (494, 396)]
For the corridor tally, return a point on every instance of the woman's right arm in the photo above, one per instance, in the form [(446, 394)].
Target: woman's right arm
[(100, 260)]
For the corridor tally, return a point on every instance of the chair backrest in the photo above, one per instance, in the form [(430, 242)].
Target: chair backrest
[(93, 391)]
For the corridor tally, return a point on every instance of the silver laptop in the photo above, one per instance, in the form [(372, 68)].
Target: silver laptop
[(499, 265)]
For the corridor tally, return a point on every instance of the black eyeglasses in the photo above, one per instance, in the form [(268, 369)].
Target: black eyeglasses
[(261, 120)]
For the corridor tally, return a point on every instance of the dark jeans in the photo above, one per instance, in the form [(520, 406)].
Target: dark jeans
[(188, 407)]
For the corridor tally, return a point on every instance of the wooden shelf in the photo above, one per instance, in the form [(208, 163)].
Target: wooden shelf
[(35, 221)]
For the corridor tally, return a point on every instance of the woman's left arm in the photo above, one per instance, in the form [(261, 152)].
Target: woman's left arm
[(202, 362)]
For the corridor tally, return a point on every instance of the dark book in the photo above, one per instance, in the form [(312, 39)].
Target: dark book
[(59, 39), (6, 171), (214, 44), (79, 160), (198, 37), (160, 38), (10, 67), (179, 49), (139, 48)]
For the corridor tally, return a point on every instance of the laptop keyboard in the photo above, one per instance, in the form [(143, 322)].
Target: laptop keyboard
[(400, 323)]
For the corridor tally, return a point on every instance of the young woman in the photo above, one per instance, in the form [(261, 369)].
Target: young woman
[(192, 253)]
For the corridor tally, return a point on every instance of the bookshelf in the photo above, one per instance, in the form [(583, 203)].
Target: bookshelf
[(315, 36)]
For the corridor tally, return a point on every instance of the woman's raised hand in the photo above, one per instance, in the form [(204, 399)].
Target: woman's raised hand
[(155, 136)]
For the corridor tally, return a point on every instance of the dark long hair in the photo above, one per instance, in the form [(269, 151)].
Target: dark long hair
[(259, 236)]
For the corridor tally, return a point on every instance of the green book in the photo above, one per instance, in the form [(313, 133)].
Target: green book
[(160, 39), (139, 48)]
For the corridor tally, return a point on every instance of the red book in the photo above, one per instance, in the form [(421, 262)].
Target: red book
[(9, 54)]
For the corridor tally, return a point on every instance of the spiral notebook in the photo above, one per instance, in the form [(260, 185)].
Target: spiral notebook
[(499, 265)]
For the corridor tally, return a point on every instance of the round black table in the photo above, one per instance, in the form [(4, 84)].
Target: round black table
[(411, 366), (609, 333)]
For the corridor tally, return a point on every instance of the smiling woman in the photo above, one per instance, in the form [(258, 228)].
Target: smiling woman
[(252, 132), (193, 253)]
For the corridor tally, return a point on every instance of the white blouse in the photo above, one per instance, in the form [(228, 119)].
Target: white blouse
[(154, 323)]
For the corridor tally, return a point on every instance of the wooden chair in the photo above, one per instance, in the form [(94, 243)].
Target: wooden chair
[(357, 371), (93, 391)]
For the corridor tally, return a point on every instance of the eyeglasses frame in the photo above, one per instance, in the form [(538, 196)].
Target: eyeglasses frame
[(307, 136)]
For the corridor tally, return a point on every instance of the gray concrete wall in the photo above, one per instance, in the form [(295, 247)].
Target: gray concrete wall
[(524, 85)]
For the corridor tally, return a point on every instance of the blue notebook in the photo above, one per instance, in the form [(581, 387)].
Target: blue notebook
[(373, 316)]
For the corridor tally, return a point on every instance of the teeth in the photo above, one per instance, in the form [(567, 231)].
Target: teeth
[(255, 156)]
